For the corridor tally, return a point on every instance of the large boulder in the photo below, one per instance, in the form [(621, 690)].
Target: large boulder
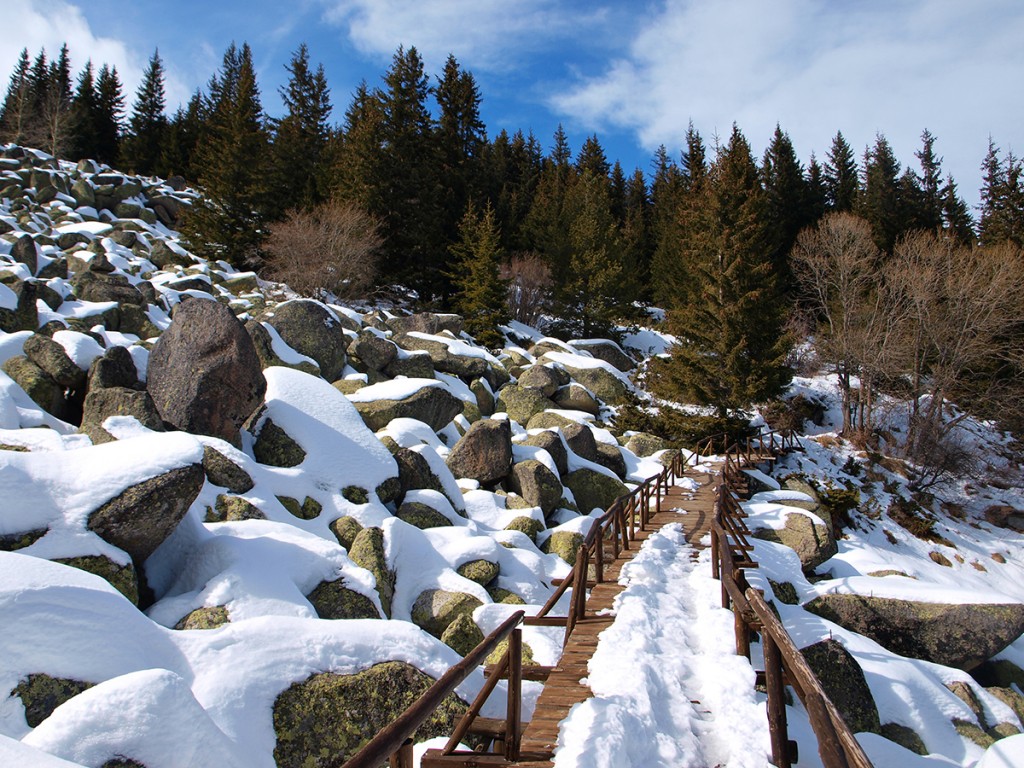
[(426, 322), (813, 542), (325, 719), (367, 551), (333, 600), (204, 374), (597, 378), (24, 316), (537, 484), (38, 385), (373, 351), (114, 369), (844, 682), (263, 343), (484, 453), (576, 397), (435, 609), (139, 518), (51, 357), (547, 379), (580, 438), (593, 489), (311, 329), (551, 441), (955, 635), (104, 402), (521, 403), (443, 356), (429, 403), (607, 350)]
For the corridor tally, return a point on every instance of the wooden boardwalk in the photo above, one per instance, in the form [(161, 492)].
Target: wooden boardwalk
[(563, 689)]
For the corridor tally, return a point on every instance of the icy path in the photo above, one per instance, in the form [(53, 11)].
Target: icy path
[(671, 643)]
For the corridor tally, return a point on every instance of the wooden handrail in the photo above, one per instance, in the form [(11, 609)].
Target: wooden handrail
[(837, 745), (390, 740)]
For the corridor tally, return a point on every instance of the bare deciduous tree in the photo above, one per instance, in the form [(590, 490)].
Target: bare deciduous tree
[(529, 287), (329, 250)]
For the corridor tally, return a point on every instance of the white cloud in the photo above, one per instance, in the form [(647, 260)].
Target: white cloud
[(484, 34), (816, 67), (51, 23)]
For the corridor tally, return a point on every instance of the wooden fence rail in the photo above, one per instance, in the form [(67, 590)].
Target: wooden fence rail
[(784, 664)]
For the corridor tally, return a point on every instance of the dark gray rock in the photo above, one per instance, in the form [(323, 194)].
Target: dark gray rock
[(581, 440), (484, 453), (139, 518), (537, 484), (102, 403), (551, 442), (520, 403), (593, 489), (51, 357), (25, 251), (844, 682), (607, 350), (311, 329), (114, 369), (432, 405), (547, 379), (374, 352), (222, 471), (204, 374)]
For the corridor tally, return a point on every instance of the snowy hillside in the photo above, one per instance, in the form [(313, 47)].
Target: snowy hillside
[(244, 529)]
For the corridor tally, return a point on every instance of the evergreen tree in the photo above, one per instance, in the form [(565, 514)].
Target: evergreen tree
[(231, 158), (668, 187), (841, 180), (928, 212), (183, 133), (617, 192), (55, 105), (461, 137), (1002, 199), (512, 170), (881, 202), (956, 217), (480, 293), (17, 107), (547, 224), (357, 151), (817, 192), (695, 163), (408, 183), (147, 126), (786, 199), (302, 135), (731, 350), (636, 232), (592, 159), (85, 116), (110, 115)]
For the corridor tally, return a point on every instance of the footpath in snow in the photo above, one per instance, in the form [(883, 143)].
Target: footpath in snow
[(669, 689)]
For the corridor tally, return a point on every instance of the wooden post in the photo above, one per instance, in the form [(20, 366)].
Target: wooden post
[(403, 758), (513, 711), (776, 702), (742, 632)]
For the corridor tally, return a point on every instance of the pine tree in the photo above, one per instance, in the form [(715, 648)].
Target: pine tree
[(85, 116), (956, 216), (512, 169), (636, 232), (408, 183), (928, 213), (547, 223), (817, 193), (110, 115), (786, 197), (301, 136), (17, 107), (731, 350), (841, 180), (147, 126), (55, 104), (356, 152), (1002, 199), (231, 157), (592, 159), (880, 201), (183, 133), (480, 293)]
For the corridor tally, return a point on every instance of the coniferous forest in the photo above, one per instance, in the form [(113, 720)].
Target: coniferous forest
[(402, 189)]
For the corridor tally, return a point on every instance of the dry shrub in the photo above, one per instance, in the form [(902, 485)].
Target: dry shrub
[(529, 287), (329, 250)]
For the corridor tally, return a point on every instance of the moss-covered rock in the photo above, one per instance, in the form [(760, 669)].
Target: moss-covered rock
[(645, 444), (312, 330), (551, 441), (1010, 698), (367, 551), (565, 544), (220, 470), (11, 542), (355, 494), (422, 516), (521, 404), (430, 404), (905, 737), (38, 385), (813, 543), (345, 530), (483, 572), (999, 673), (973, 732), (41, 694), (333, 600), (389, 490), (275, 448), (309, 509), (784, 592), (206, 617), (528, 525), (232, 508), (326, 718), (495, 656), (549, 420), (123, 578), (537, 484), (505, 596), (593, 489), (844, 683), (435, 609), (462, 635), (102, 403), (958, 635)]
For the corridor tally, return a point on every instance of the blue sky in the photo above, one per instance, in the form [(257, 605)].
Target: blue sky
[(634, 72)]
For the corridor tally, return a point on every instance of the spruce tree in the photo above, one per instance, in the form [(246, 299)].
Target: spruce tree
[(592, 159), (841, 179), (480, 293), (881, 202), (357, 152), (17, 107), (669, 186), (85, 116), (957, 223), (547, 224), (302, 135), (1002, 199), (929, 181), (817, 193), (110, 115), (183, 133), (147, 126), (55, 105), (512, 168), (786, 199), (731, 349), (232, 159)]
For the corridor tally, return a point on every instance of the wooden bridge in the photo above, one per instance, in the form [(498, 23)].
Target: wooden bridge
[(611, 543)]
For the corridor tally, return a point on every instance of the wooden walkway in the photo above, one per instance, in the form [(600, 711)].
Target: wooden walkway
[(563, 689)]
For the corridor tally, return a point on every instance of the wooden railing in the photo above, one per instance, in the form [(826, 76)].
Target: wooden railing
[(784, 664), (618, 528)]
